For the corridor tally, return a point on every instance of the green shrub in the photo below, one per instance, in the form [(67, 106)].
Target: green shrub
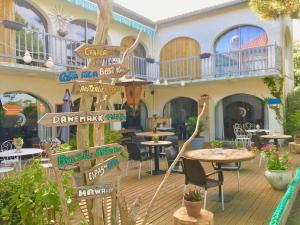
[(292, 112), (31, 199), (191, 125)]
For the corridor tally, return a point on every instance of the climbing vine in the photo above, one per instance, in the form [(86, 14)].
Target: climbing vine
[(275, 85)]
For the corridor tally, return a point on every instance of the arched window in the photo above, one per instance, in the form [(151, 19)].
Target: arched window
[(180, 109), (26, 14), (241, 51), (82, 31), (180, 59), (242, 37), (19, 113)]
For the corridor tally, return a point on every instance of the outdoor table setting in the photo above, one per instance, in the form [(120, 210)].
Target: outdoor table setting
[(219, 156), (276, 137), (157, 147), (158, 133), (19, 153)]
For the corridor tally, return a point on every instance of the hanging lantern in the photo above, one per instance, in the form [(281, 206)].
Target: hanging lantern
[(133, 90)]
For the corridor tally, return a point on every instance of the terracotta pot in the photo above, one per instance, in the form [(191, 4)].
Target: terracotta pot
[(193, 208), (279, 179)]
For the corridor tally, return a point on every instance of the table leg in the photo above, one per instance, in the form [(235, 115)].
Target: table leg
[(20, 165), (156, 170)]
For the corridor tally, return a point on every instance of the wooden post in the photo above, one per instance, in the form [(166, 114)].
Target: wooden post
[(60, 189), (181, 152)]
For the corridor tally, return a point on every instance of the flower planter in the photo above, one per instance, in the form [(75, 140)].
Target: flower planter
[(193, 208), (279, 179)]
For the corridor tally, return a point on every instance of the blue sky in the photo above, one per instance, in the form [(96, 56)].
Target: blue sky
[(160, 9)]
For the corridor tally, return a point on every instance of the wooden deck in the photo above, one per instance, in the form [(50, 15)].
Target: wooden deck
[(254, 204)]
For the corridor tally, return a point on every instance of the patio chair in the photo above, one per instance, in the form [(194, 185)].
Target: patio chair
[(135, 154), (248, 126), (242, 137), (234, 166), (195, 174), (9, 161)]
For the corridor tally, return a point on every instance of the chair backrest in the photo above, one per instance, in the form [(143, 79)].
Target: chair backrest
[(258, 141), (7, 145), (239, 132), (54, 142), (171, 153), (194, 172), (133, 151), (237, 125), (249, 126)]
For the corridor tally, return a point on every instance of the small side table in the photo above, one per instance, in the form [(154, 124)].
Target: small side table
[(181, 218)]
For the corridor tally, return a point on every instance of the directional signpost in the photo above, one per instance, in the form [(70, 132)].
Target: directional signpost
[(93, 88)]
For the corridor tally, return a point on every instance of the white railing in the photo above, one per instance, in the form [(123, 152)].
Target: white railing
[(253, 61)]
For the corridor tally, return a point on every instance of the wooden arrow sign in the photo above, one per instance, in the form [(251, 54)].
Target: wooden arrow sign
[(75, 118), (92, 88), (95, 73), (97, 191), (98, 51), (64, 159), (102, 168)]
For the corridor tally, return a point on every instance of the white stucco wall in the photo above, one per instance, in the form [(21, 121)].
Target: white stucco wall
[(207, 28)]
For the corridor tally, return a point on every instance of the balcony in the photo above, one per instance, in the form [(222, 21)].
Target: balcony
[(260, 61)]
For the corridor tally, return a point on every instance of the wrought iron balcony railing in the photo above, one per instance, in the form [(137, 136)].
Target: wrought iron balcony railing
[(263, 60)]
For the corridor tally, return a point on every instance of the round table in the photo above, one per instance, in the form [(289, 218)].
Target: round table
[(258, 130), (23, 152), (276, 137), (158, 133), (157, 146), (219, 156)]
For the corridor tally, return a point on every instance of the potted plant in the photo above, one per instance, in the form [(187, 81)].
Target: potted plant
[(278, 171), (18, 143), (198, 141), (297, 137), (155, 138), (193, 202)]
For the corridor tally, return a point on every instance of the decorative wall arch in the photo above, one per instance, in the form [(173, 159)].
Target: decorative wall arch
[(179, 58), (239, 108)]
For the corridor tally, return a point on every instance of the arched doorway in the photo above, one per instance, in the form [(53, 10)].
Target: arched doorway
[(180, 58), (179, 109), (238, 108), (19, 113), (137, 120), (136, 63)]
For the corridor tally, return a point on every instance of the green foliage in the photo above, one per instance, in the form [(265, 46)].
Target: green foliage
[(30, 199), (216, 144), (292, 112), (191, 125), (276, 161), (193, 195), (273, 9), (110, 136), (275, 85), (296, 58)]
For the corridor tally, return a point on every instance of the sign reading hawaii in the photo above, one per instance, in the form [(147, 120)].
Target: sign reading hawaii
[(98, 51), (102, 168), (96, 73), (72, 157), (75, 118), (97, 191)]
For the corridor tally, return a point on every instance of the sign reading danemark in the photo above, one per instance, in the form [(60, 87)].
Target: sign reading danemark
[(96, 73), (92, 88), (100, 169), (98, 51), (72, 157), (97, 191), (75, 118)]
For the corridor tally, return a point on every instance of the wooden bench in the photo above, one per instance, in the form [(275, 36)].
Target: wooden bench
[(295, 148), (181, 218)]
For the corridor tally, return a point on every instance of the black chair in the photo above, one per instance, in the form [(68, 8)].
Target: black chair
[(135, 154), (235, 166), (195, 174)]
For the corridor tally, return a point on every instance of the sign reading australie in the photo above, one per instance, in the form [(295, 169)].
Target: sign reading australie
[(72, 157), (88, 192), (100, 169), (98, 51), (92, 88), (75, 118), (111, 71)]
